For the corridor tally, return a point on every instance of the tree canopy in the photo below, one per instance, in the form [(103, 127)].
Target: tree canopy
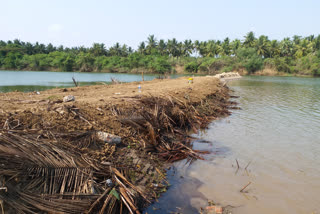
[(159, 55)]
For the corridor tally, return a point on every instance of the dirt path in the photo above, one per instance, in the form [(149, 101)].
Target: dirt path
[(119, 93)]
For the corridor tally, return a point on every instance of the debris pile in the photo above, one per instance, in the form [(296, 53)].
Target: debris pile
[(228, 76), (103, 157)]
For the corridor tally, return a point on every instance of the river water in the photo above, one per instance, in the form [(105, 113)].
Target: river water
[(277, 132), (41, 80)]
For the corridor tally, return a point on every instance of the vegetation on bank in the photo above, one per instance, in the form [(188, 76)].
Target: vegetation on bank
[(298, 55)]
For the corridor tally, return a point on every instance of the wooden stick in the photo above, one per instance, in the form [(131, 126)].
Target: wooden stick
[(237, 164), (127, 205), (245, 187), (75, 82), (98, 200), (1, 203), (247, 165)]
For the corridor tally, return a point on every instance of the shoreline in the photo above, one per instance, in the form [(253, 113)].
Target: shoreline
[(153, 126), (264, 72)]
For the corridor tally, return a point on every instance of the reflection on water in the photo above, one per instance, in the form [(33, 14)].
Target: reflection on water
[(42, 80), (278, 131)]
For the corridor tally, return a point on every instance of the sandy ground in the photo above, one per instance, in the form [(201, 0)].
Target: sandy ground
[(116, 94)]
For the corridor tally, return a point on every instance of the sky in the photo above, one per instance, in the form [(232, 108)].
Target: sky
[(82, 23)]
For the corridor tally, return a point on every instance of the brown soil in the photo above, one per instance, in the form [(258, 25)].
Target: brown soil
[(39, 134), (179, 69), (116, 94), (269, 72)]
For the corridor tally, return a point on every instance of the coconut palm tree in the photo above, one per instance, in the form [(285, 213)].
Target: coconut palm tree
[(115, 50), (262, 46), (310, 38), (316, 41), (296, 39), (286, 47), (142, 48), (98, 49), (249, 40), (303, 48), (196, 45), (225, 47), (203, 48), (180, 49), (172, 46), (274, 48), (162, 46), (235, 45), (213, 49), (152, 43), (187, 47), (124, 51)]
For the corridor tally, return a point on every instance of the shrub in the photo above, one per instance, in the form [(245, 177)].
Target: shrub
[(249, 58), (191, 67), (315, 69), (160, 65), (227, 69), (253, 64)]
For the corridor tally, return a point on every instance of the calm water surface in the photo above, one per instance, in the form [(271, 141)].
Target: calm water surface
[(42, 80), (278, 131)]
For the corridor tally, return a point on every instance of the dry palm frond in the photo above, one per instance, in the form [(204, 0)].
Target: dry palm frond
[(48, 175), (56, 165)]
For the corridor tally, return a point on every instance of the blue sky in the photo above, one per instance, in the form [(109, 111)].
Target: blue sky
[(75, 23)]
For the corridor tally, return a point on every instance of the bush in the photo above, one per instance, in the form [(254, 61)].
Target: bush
[(191, 67), (213, 65), (253, 64), (227, 69), (282, 65), (249, 58), (160, 65), (246, 53), (12, 60), (68, 64), (315, 69)]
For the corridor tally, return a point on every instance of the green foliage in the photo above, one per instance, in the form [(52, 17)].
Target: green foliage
[(12, 60), (249, 58), (85, 62), (315, 69), (191, 67), (246, 53), (68, 63), (290, 55), (249, 40), (253, 64), (227, 69), (279, 63), (160, 65), (308, 65), (206, 64)]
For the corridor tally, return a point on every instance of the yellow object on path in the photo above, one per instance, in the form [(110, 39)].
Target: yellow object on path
[(190, 80)]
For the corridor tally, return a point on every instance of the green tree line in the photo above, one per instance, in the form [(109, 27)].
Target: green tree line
[(296, 55)]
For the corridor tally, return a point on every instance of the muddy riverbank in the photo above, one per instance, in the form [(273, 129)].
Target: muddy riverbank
[(53, 158)]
